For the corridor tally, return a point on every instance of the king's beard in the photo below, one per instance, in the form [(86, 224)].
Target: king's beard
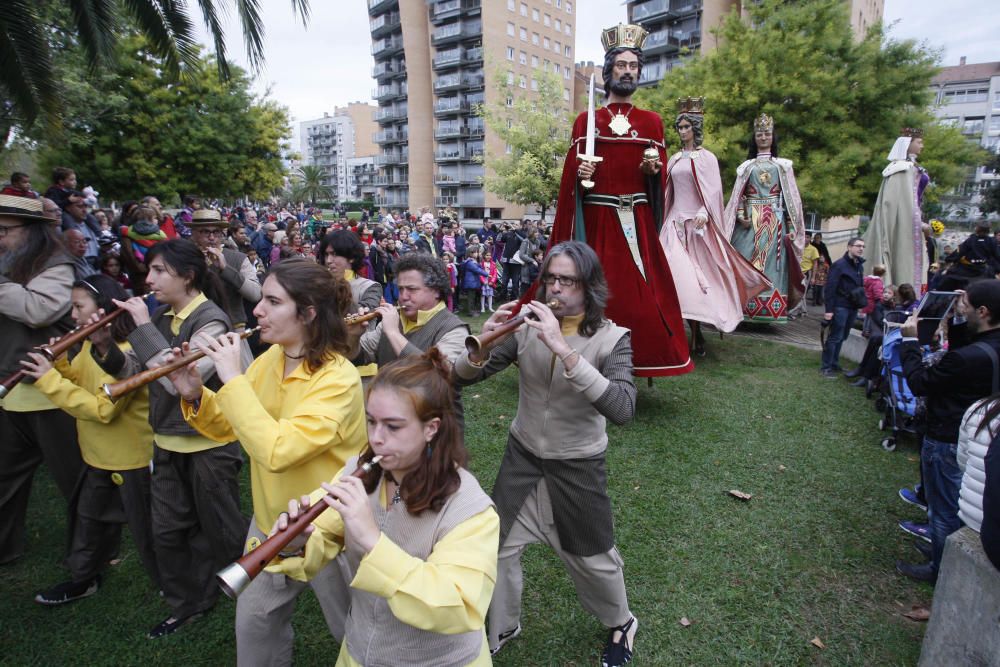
[(624, 87)]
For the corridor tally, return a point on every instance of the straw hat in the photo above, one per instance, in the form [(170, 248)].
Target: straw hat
[(25, 208), (207, 217)]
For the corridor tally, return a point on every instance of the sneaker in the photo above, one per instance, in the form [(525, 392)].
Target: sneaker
[(170, 625), (922, 572), (910, 496), (829, 374), (619, 651), (504, 638), (921, 530), (68, 591)]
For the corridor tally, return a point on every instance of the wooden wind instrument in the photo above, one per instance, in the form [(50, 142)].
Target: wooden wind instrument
[(367, 317), (118, 389), (57, 347), (235, 577), (476, 344)]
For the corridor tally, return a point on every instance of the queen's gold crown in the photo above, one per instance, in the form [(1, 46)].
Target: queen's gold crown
[(763, 123), (691, 105), (623, 36), (912, 132)]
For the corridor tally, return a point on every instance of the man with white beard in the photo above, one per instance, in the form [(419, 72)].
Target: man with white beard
[(36, 279)]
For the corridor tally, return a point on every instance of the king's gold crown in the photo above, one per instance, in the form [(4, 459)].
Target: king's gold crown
[(763, 123), (691, 105), (912, 132), (623, 36)]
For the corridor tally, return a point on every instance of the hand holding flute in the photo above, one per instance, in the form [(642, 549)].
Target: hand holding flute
[(500, 324)]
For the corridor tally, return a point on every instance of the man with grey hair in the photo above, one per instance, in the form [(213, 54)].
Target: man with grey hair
[(422, 321), (575, 371), (76, 243), (263, 242)]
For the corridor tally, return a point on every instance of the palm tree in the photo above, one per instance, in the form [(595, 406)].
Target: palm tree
[(28, 85), (308, 186)]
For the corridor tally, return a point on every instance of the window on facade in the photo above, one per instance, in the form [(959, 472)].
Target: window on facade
[(507, 149), (996, 100), (510, 78), (510, 29), (547, 20), (534, 84), (994, 123), (524, 35), (534, 38), (962, 96), (510, 53), (568, 51), (555, 68), (973, 125), (510, 100), (546, 43), (566, 74), (566, 94), (558, 3), (524, 58), (557, 25), (534, 15), (512, 5), (524, 9), (569, 29), (534, 61), (522, 81), (569, 7), (557, 47)]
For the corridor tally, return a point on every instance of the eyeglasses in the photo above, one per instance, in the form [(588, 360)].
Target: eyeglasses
[(858, 245), (5, 229), (624, 64), (566, 281), (210, 232)]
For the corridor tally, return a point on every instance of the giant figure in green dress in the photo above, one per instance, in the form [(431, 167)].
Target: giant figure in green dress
[(765, 216)]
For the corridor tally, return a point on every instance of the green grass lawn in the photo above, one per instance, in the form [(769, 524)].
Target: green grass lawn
[(810, 555)]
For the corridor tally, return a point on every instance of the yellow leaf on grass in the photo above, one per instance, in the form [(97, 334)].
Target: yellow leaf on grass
[(918, 613), (817, 643), (739, 494)]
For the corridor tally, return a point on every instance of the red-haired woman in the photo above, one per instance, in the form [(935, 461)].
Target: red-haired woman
[(417, 533)]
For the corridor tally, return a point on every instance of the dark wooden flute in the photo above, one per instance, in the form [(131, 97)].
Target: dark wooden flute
[(476, 344), (235, 577), (57, 347), (118, 389)]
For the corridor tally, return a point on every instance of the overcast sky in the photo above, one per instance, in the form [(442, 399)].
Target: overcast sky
[(312, 70)]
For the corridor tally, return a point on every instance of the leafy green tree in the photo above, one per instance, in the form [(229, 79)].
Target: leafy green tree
[(537, 130), (308, 186), (136, 131), (29, 84), (838, 103)]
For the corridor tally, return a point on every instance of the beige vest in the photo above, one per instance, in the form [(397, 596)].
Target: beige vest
[(554, 421), (376, 638)]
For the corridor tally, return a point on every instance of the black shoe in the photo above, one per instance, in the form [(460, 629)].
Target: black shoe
[(68, 591), (853, 374), (829, 374), (504, 638), (170, 626), (922, 572), (860, 382), (924, 548), (619, 651)]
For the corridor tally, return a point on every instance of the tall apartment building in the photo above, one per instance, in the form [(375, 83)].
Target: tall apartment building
[(681, 27), (339, 143), (434, 62), (968, 97)]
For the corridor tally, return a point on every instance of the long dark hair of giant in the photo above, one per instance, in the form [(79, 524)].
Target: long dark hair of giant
[(424, 381), (187, 260), (102, 289), (313, 287), (752, 145)]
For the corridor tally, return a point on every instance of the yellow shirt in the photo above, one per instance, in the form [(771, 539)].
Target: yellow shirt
[(423, 317), (298, 431), (449, 592), (112, 436), (809, 256)]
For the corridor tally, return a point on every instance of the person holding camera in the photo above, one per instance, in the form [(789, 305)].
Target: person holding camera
[(843, 295)]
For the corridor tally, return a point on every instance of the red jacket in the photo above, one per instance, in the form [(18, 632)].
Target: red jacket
[(873, 290)]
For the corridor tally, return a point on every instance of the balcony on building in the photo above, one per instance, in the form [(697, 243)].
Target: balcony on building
[(451, 105), (392, 157), (474, 81), (384, 24), (456, 32), (387, 46), (453, 176), (376, 7), (389, 114), (451, 130), (450, 153), (452, 8), (387, 69), (656, 10), (671, 41)]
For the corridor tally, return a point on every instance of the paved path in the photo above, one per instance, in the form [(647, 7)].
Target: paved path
[(801, 332)]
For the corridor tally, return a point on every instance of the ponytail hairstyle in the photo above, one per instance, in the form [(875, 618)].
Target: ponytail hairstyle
[(312, 286), (102, 289), (425, 381), (187, 260)]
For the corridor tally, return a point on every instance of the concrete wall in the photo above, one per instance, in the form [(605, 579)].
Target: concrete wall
[(420, 101)]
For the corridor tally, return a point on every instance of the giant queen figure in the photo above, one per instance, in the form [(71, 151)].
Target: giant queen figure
[(610, 197)]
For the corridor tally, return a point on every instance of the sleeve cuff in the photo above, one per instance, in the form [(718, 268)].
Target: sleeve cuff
[(466, 369), (587, 380), (147, 341), (379, 571)]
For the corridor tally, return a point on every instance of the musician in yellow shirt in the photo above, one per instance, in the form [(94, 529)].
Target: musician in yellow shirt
[(298, 412), (116, 443), (417, 533)]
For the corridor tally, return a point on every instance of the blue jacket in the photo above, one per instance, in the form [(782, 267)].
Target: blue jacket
[(845, 275), (471, 273)]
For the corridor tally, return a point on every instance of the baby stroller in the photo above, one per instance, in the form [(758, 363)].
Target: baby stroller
[(903, 412)]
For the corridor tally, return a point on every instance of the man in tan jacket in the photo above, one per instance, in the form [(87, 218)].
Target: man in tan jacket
[(575, 373)]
